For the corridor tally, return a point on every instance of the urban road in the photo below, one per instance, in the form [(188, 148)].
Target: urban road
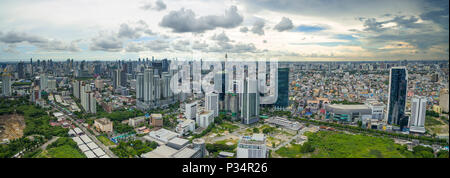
[(84, 129)]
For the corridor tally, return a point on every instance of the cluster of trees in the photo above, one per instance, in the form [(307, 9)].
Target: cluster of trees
[(122, 128), (21, 144), (345, 102), (120, 115), (133, 148), (204, 132), (38, 122), (432, 113)]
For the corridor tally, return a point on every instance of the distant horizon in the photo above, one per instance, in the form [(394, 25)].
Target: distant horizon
[(294, 30)]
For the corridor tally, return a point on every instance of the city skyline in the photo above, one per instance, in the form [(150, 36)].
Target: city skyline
[(285, 30)]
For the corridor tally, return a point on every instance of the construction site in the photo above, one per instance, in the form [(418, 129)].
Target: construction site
[(11, 127)]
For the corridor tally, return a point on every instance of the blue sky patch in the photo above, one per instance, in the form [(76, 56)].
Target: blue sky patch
[(309, 28)]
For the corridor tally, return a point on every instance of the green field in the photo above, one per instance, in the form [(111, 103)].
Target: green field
[(65, 151), (105, 140), (326, 144)]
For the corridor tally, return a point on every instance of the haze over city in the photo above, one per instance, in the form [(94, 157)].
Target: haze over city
[(292, 30)]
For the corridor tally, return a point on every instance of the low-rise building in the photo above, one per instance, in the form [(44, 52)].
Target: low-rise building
[(252, 147), (156, 120), (134, 122), (205, 118), (103, 125), (185, 127)]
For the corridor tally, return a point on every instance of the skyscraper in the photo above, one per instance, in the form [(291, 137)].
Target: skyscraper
[(20, 70), (398, 85), (283, 88), (117, 78), (418, 111), (140, 86), (250, 102), (148, 85), (43, 81), (6, 84), (212, 103)]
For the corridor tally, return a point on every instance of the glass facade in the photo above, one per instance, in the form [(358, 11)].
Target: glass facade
[(283, 88), (397, 95)]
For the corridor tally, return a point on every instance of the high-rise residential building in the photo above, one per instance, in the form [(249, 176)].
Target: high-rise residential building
[(418, 111), (252, 147), (51, 83), (190, 110), (6, 84), (250, 102), (88, 99), (398, 85), (43, 81), (76, 88), (149, 85), (443, 99), (283, 88), (140, 86), (212, 103)]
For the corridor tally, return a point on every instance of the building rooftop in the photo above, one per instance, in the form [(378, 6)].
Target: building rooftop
[(162, 151), (90, 154), (184, 153), (103, 121), (99, 152)]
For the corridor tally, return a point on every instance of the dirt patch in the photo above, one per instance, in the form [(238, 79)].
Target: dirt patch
[(11, 126)]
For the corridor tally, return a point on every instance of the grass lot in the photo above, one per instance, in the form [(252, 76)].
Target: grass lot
[(105, 141), (65, 151), (327, 144), (224, 126), (293, 151)]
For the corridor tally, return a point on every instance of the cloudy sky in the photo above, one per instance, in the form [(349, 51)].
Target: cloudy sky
[(296, 30)]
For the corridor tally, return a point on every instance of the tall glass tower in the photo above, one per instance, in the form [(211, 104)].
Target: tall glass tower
[(398, 85), (283, 88)]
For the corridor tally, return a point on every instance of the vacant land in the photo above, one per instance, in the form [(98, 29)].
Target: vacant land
[(11, 126), (325, 144), (435, 125), (65, 151), (105, 140)]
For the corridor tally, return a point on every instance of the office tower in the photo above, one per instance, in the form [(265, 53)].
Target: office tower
[(418, 111), (20, 70), (443, 99), (252, 147), (148, 85), (398, 85), (117, 78), (6, 84), (190, 110), (43, 82), (140, 86), (123, 75), (283, 88), (250, 102), (165, 65), (212, 103)]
